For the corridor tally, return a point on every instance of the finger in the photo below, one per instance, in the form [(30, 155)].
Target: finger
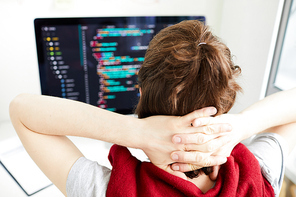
[(204, 112), (194, 157), (210, 146), (199, 137), (189, 157), (186, 167), (216, 128), (202, 121), (193, 138)]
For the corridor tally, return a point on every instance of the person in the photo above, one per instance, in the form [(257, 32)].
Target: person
[(42, 123), (186, 68)]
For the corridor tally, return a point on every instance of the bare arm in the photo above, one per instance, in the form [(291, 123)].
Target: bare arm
[(276, 113), (43, 123)]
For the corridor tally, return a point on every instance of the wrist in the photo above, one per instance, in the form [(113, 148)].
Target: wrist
[(251, 123), (135, 128), (146, 134), (140, 139), (125, 131)]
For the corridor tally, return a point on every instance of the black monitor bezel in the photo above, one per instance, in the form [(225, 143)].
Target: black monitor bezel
[(40, 22)]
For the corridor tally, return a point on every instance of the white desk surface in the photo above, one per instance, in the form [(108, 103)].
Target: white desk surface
[(92, 149)]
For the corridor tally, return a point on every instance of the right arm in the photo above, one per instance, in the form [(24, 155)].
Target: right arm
[(275, 113)]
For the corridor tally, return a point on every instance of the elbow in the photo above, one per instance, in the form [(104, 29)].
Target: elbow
[(15, 107)]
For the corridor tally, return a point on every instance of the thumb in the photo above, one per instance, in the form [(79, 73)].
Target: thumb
[(204, 121), (200, 113)]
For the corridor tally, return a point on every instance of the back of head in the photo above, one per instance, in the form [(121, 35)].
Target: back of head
[(186, 68)]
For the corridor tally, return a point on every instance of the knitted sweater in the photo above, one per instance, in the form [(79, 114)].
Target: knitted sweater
[(239, 176)]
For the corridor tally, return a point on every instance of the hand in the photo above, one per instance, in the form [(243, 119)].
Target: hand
[(158, 131), (221, 146)]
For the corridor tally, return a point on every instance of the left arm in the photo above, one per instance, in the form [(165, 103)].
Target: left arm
[(43, 122)]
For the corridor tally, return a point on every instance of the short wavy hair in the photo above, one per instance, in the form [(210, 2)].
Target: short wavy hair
[(187, 68)]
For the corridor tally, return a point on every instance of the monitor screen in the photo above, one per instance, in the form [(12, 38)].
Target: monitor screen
[(96, 60)]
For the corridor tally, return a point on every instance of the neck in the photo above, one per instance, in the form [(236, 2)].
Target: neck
[(203, 182)]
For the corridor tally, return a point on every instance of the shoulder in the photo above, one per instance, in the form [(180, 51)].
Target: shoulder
[(271, 151), (86, 174), (120, 155)]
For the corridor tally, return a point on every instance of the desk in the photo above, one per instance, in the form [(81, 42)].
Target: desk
[(92, 149)]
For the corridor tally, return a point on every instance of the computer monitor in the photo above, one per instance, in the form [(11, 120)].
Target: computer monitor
[(96, 60), (282, 58)]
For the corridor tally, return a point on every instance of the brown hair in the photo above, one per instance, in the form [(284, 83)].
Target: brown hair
[(186, 68)]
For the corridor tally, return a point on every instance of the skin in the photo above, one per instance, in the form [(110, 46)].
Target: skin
[(42, 124), (275, 114)]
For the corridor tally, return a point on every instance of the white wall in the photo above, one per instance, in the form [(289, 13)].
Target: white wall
[(245, 25), (246, 28)]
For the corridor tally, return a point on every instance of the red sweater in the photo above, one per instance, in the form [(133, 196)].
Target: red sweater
[(239, 176)]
